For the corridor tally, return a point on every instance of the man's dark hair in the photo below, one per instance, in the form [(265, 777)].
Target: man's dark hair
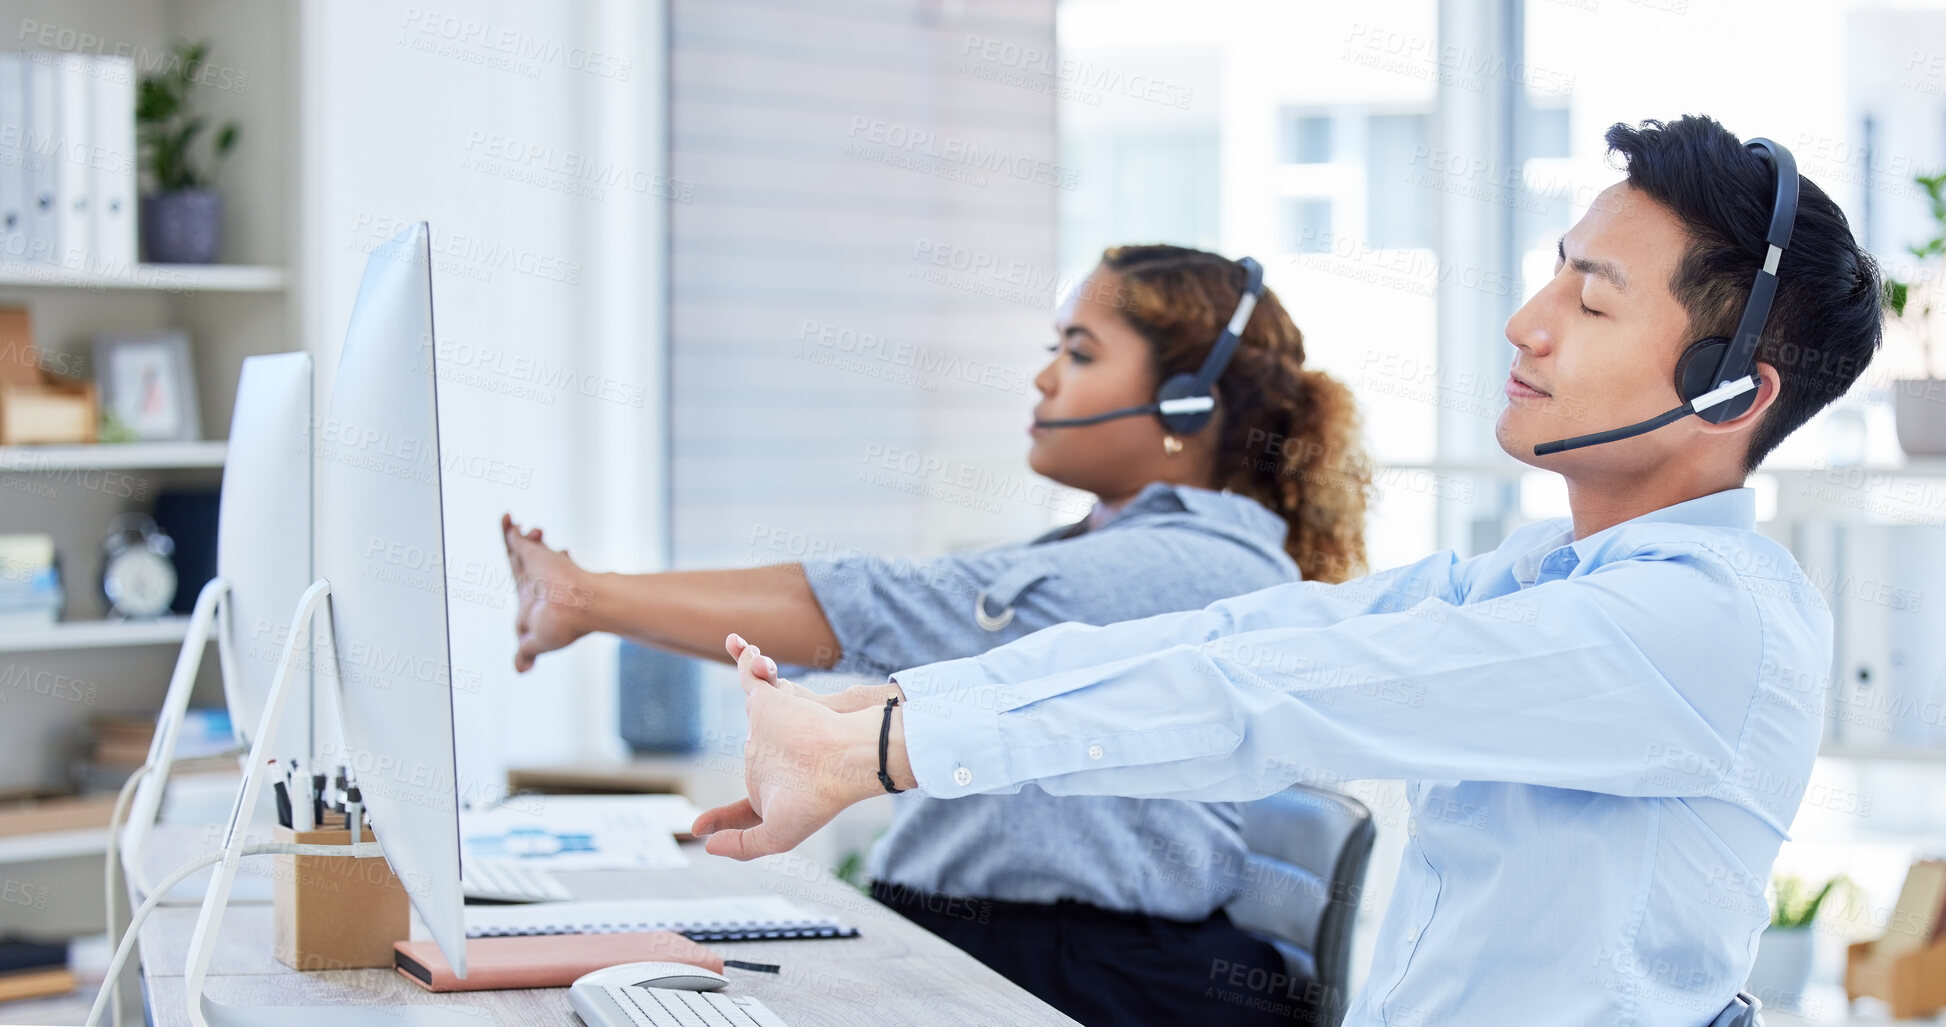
[(1824, 325)]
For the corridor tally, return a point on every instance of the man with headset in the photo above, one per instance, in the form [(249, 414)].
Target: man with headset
[(1614, 700)]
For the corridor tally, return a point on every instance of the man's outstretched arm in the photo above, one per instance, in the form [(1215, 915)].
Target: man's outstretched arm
[(1577, 683)]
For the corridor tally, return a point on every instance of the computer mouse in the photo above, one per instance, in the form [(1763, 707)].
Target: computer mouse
[(681, 976)]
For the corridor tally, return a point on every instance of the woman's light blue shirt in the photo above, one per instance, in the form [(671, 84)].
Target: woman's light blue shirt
[(1170, 548)]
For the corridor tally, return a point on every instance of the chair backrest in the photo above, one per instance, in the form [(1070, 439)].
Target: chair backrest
[(1309, 848)]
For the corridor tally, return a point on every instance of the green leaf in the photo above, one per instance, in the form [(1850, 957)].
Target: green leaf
[(1791, 903), (167, 126), (187, 134), (1811, 911), (155, 101), (188, 56), (1895, 297)]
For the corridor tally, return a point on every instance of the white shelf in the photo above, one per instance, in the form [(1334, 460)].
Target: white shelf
[(87, 841), (112, 455), (96, 634), (148, 277)]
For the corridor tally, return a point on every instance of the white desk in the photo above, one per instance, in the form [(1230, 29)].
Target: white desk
[(894, 973)]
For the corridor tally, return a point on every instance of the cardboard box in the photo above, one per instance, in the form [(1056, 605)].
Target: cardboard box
[(52, 412), (37, 407), (335, 912), (20, 362), (1913, 983)]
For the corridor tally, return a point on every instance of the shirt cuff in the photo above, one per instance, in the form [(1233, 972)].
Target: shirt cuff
[(952, 729)]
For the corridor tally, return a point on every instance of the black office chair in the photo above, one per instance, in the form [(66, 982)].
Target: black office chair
[(1308, 851)]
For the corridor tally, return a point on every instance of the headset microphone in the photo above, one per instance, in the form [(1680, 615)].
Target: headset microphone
[(1186, 402), (1714, 374)]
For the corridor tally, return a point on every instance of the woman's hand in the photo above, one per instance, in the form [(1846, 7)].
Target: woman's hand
[(555, 594)]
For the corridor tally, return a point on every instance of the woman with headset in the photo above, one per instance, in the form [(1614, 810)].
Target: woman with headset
[(1109, 909)]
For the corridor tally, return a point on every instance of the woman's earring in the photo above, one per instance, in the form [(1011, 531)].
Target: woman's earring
[(1171, 445)]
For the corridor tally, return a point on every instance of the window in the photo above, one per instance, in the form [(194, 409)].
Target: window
[(1306, 138), (1401, 200), (1307, 226)]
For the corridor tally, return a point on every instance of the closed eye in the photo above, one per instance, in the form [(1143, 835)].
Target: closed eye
[(1591, 313)]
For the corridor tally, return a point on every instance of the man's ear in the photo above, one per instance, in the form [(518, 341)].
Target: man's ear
[(1768, 383)]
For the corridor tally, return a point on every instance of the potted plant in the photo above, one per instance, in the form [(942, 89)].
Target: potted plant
[(1783, 965), (181, 216), (1919, 404)]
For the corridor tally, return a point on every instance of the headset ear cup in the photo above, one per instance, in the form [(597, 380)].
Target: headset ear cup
[(1697, 366), (1696, 374), (1182, 386)]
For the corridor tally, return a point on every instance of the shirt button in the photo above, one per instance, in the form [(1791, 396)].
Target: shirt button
[(1412, 826), (962, 777), (1094, 752), (1412, 936)]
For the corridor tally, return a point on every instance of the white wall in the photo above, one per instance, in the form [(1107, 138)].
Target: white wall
[(795, 126), (529, 136), (830, 152)]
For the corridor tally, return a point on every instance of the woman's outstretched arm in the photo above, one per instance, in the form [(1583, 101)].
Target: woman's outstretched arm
[(687, 612)]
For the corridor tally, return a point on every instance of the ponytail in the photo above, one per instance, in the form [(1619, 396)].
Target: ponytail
[(1319, 478), (1290, 434)]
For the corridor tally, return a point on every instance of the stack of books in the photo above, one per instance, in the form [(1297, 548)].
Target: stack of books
[(68, 161), (31, 969), (30, 585), (121, 744)]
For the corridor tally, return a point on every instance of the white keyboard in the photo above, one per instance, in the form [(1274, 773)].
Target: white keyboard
[(509, 880), (633, 1006)]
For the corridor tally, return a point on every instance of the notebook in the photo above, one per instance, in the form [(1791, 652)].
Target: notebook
[(736, 918), (554, 961)]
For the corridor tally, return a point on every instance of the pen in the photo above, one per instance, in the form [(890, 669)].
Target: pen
[(302, 808), (354, 808)]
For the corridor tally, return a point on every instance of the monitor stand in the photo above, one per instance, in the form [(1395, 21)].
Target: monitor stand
[(205, 1012), (126, 838), (206, 620)]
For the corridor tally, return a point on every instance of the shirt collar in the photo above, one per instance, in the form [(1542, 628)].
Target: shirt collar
[(1237, 511), (1561, 552)]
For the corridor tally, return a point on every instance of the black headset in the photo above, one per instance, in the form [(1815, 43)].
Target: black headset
[(1716, 377), (1186, 402)]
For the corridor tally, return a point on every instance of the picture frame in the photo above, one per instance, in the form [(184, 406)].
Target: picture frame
[(148, 384)]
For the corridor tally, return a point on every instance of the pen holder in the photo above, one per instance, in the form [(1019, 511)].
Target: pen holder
[(335, 912)]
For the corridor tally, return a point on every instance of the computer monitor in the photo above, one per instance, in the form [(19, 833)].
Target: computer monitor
[(263, 564), (381, 556), (264, 539), (381, 544)]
